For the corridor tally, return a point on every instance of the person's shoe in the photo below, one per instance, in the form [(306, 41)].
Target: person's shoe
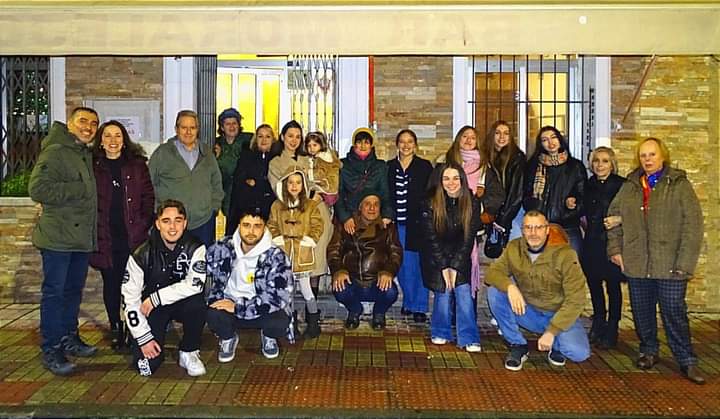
[(597, 331), (647, 361), (55, 361), (118, 340), (378, 321), (419, 317), (352, 321), (72, 345), (438, 340), (473, 347), (192, 363), (270, 348), (609, 341), (226, 349), (405, 312), (516, 357), (143, 367), (313, 325), (692, 373), (555, 358)]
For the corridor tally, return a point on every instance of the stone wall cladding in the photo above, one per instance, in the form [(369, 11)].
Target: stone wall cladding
[(678, 104)]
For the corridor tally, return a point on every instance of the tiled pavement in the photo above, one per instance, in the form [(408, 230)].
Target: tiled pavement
[(393, 373)]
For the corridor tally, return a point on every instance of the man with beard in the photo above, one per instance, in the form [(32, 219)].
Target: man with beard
[(164, 281), (251, 287)]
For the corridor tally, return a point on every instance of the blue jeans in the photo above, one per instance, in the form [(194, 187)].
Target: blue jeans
[(353, 295), (64, 275), (573, 343), (415, 295), (206, 232), (465, 320)]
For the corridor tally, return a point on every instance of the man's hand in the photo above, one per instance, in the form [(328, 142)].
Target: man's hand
[(618, 260), (449, 275), (340, 281), (151, 349), (571, 203), (517, 301), (384, 281), (224, 304), (146, 307), (349, 226), (546, 341)]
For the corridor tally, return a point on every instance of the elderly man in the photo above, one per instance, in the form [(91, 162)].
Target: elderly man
[(538, 284), (64, 183), (185, 169), (363, 264)]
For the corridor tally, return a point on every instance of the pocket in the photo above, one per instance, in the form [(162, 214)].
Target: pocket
[(306, 256)]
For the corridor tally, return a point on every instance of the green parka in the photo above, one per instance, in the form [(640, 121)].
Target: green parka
[(229, 155), (64, 183), (665, 241)]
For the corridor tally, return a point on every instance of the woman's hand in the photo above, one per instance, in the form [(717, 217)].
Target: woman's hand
[(449, 276), (618, 260), (612, 222), (571, 203), (217, 149)]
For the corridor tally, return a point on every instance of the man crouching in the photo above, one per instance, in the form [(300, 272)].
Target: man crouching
[(164, 281), (251, 287)]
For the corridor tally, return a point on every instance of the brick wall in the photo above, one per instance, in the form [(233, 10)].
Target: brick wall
[(679, 104), (113, 77), (413, 90)]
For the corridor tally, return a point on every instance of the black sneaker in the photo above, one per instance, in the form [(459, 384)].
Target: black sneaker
[(352, 321), (516, 357), (419, 317), (54, 360), (556, 358), (378, 322), (73, 345)]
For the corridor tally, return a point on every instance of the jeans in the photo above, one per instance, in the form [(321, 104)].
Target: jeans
[(64, 275), (206, 232), (573, 343), (353, 295), (465, 320), (224, 324), (415, 295)]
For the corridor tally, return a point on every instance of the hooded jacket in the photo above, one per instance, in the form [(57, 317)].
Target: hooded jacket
[(273, 280), (199, 189), (299, 230), (324, 172), (357, 179), (664, 243), (64, 183)]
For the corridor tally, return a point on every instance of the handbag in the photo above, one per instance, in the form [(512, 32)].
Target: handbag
[(496, 241)]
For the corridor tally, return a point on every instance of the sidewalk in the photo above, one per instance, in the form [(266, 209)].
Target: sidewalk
[(360, 373)]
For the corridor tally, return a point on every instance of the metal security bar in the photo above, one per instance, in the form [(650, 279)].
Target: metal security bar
[(531, 91), (312, 82), (206, 91), (24, 110)]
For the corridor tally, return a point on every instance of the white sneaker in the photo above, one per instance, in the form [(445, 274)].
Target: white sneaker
[(192, 363), (438, 341), (473, 347)]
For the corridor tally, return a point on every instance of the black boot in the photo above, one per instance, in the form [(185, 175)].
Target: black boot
[(609, 340), (313, 325), (597, 331), (117, 338)]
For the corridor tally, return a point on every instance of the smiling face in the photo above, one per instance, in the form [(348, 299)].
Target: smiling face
[(651, 158), (370, 208), (602, 165), (231, 127), (362, 146), (112, 141), (468, 140), (292, 139), (264, 139), (550, 141), (294, 185), (502, 137), (187, 130), (406, 145), (171, 224), (535, 230), (451, 182), (83, 125)]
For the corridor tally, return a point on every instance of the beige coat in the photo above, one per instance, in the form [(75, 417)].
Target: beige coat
[(324, 172)]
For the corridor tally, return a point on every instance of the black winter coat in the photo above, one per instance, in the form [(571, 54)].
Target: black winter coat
[(494, 196), (512, 179), (562, 182), (419, 173), (449, 250), (251, 164), (598, 196)]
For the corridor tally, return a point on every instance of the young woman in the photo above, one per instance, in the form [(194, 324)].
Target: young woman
[(554, 183), (251, 188), (600, 190), (296, 226), (509, 163), (449, 221), (126, 202), (408, 177)]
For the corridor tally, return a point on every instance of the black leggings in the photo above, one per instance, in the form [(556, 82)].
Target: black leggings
[(112, 281)]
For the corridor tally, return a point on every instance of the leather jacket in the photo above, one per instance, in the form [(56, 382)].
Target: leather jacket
[(512, 178), (563, 181)]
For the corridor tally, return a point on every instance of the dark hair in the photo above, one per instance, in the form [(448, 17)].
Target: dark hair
[(406, 131), (500, 159), (229, 113), (84, 109), (538, 141), (317, 137), (187, 112), (252, 212), (170, 203), (302, 196), (363, 135), (130, 149), (300, 151)]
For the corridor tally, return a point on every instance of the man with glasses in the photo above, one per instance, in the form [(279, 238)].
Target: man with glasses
[(538, 284)]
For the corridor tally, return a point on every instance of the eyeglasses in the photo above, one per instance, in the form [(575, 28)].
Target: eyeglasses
[(531, 228)]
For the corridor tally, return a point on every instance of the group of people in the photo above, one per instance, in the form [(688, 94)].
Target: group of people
[(295, 212)]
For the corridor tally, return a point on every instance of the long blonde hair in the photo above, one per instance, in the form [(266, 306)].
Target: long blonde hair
[(438, 198)]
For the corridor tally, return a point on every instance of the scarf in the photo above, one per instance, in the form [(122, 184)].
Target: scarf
[(362, 155), (471, 166), (545, 160), (648, 183)]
